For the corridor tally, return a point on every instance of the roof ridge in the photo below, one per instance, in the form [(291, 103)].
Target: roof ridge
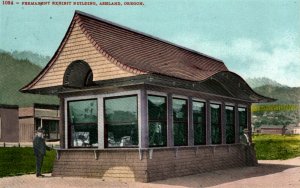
[(146, 35)]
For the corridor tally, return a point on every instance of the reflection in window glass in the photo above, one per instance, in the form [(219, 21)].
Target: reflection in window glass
[(230, 128), (83, 123), (216, 133), (199, 123), (242, 119), (157, 117), (180, 122), (121, 121)]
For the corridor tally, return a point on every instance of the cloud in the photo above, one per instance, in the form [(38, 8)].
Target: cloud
[(278, 59)]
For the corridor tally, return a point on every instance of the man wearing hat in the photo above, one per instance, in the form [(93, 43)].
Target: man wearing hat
[(249, 151), (245, 138), (39, 148)]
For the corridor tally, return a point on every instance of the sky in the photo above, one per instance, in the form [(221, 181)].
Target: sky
[(254, 38)]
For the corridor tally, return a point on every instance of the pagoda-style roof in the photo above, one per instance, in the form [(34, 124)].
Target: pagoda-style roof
[(117, 52)]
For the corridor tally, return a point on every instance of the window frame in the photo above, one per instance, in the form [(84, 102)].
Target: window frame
[(165, 121), (37, 123), (233, 124), (186, 121), (219, 125), (204, 122), (69, 124), (105, 125), (239, 119)]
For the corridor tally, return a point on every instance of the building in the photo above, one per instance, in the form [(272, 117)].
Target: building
[(39, 115), (136, 107), (293, 129), (272, 129), (9, 123), (19, 124), (279, 129), (296, 130)]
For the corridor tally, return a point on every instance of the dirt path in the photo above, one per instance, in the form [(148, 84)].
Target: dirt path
[(274, 173)]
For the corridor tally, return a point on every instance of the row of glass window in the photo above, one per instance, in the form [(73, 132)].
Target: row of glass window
[(121, 122)]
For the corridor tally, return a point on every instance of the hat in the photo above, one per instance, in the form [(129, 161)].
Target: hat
[(246, 130), (40, 130)]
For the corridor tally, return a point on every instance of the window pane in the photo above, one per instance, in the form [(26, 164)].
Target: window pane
[(180, 122), (157, 114), (121, 121), (83, 118), (180, 109), (242, 119), (199, 123), (180, 134), (85, 135), (215, 124), (157, 134), (157, 108), (230, 128), (83, 111)]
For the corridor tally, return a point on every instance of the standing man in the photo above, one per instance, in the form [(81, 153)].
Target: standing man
[(245, 138), (39, 148), (249, 149)]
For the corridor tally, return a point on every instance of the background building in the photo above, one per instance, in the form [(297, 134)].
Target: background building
[(39, 115), (9, 123)]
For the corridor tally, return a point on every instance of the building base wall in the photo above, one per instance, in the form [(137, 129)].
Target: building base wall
[(119, 164), (151, 164)]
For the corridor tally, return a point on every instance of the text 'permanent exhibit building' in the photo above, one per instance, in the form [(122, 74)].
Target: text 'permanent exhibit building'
[(135, 107)]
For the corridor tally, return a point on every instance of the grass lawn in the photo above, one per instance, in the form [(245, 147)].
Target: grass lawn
[(17, 161), (270, 147)]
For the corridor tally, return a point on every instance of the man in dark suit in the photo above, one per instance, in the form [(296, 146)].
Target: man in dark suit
[(39, 148)]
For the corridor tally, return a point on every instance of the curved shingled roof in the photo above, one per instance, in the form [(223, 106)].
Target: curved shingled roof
[(147, 53), (142, 53)]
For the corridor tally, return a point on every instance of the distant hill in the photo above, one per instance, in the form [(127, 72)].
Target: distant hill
[(284, 95), (262, 81), (277, 113), (270, 88), (34, 58), (14, 74)]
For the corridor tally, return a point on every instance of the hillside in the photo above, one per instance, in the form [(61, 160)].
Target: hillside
[(262, 81), (284, 95), (284, 111), (14, 74), (34, 58)]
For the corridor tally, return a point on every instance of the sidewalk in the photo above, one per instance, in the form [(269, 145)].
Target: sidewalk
[(275, 173)]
